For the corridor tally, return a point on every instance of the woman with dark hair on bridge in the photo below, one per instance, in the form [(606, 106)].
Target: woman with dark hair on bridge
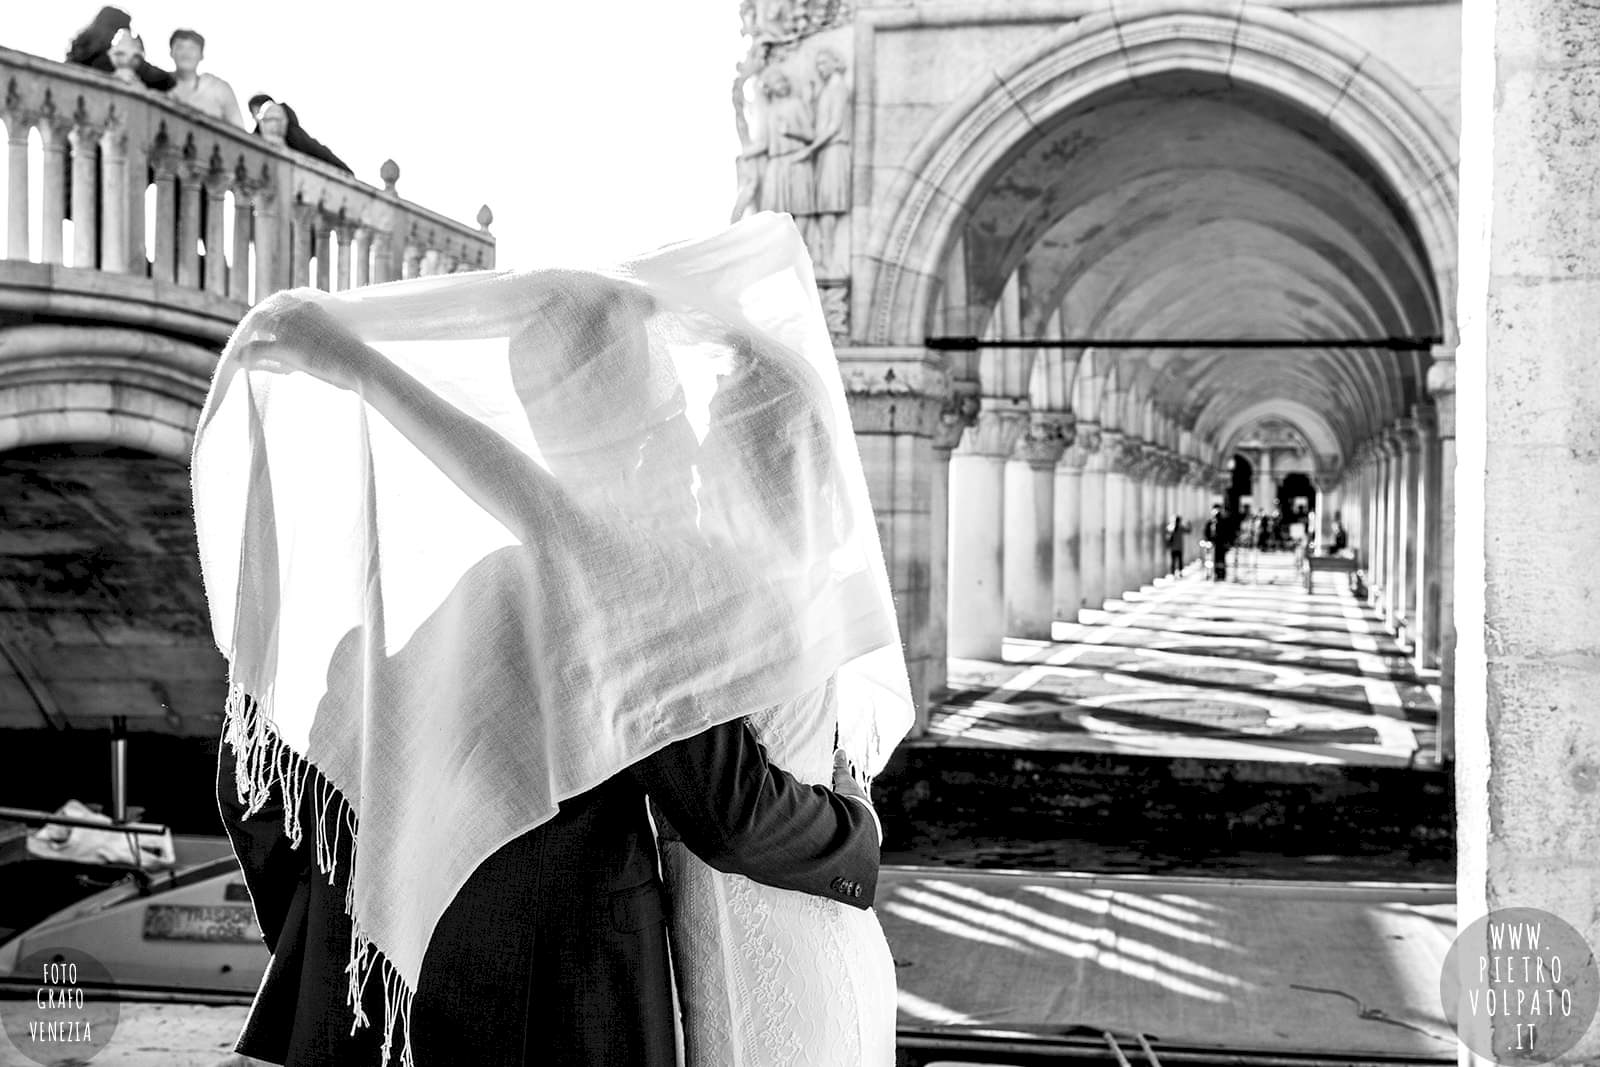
[(92, 48), (278, 123)]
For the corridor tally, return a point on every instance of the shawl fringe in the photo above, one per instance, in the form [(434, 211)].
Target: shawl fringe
[(264, 762)]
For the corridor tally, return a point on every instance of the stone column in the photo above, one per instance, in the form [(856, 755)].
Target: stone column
[(959, 412), (1395, 532), (1116, 481), (239, 271), (1424, 593), (1371, 536), (114, 197), (382, 258), (1405, 546), (1265, 488), (1067, 579), (54, 194), (323, 242), (895, 397), (305, 241), (1528, 615), (191, 192), (977, 508), (17, 213), (1441, 386), (215, 272), (1380, 522), (85, 141), (1149, 507), (1092, 518), (1132, 492), (1029, 565), (360, 256)]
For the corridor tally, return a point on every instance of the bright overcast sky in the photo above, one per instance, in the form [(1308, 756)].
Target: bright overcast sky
[(592, 130)]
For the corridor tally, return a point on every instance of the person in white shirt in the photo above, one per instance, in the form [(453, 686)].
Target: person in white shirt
[(206, 92)]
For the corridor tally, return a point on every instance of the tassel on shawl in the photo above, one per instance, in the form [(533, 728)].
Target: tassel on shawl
[(264, 762)]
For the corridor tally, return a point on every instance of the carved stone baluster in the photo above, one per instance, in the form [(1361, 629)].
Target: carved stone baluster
[(324, 255), (16, 187), (346, 234), (216, 268), (411, 260), (85, 141), (54, 193), (192, 190), (164, 162), (266, 237), (243, 220), (382, 258), (360, 254), (304, 236), (113, 197)]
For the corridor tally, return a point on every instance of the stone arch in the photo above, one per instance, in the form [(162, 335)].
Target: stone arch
[(101, 385), (1311, 424), (1359, 96)]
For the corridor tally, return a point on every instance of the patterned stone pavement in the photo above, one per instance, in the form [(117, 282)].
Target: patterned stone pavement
[(1250, 669)]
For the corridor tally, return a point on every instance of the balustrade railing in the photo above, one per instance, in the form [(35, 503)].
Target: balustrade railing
[(233, 217)]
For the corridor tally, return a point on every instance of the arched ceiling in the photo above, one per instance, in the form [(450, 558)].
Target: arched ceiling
[(1183, 206)]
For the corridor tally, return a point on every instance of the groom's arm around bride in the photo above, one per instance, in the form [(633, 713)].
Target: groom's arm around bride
[(555, 950)]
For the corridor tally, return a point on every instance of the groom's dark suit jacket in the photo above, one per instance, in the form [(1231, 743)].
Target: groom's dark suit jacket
[(555, 950)]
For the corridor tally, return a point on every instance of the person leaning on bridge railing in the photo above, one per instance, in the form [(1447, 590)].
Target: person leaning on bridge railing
[(93, 47), (204, 92), (277, 123)]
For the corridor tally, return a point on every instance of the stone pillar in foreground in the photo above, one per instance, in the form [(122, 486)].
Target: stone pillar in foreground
[(1405, 587), (1442, 387), (977, 511), (1528, 593), (1030, 509), (959, 412), (896, 397), (1424, 592)]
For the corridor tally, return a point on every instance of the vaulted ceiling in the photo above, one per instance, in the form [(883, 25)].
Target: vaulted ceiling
[(1187, 207)]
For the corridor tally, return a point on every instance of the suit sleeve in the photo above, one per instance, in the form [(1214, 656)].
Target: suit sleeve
[(272, 868), (742, 815)]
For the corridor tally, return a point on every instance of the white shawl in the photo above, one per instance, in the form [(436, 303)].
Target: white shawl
[(548, 523)]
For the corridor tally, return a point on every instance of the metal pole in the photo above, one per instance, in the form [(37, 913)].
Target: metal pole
[(1392, 344), (119, 767)]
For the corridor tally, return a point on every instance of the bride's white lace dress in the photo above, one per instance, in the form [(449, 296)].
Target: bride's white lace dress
[(771, 977)]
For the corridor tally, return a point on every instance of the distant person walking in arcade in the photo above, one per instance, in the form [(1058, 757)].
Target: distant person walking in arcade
[(1219, 532), (1176, 529)]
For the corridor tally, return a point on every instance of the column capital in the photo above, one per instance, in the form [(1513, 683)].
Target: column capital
[(959, 411), (1085, 445), (894, 391), (996, 430), (1047, 436), (1441, 379), (1405, 436), (1111, 442), (1426, 419)]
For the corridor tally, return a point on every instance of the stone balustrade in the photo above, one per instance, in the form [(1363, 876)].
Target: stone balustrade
[(124, 206)]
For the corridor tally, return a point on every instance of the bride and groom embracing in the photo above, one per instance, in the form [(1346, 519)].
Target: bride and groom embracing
[(495, 558)]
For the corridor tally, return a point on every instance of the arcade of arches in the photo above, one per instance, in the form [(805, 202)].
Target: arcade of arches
[(1170, 174)]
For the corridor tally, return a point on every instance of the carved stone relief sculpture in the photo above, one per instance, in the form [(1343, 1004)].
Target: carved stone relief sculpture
[(794, 111)]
